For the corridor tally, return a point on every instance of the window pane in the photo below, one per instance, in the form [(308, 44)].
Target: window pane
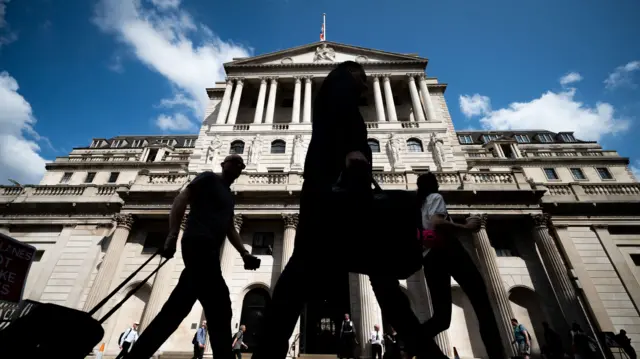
[(414, 145), (550, 173), (374, 145), (90, 177), (113, 177), (577, 173), (604, 173), (237, 148), (278, 146)]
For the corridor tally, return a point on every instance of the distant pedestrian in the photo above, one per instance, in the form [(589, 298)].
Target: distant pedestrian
[(127, 339), (199, 340), (238, 342)]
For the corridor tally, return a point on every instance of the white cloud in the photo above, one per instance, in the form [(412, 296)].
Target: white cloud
[(553, 111), (19, 158), (163, 37), (166, 4), (570, 78), (6, 35), (116, 64), (474, 105), (635, 169), (177, 122), (622, 75)]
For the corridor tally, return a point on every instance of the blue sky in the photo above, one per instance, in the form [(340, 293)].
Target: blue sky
[(72, 70)]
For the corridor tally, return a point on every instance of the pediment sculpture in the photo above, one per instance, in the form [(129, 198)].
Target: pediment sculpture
[(324, 53)]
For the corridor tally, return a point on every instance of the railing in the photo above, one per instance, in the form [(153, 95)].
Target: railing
[(591, 192), (280, 126), (569, 154), (61, 193)]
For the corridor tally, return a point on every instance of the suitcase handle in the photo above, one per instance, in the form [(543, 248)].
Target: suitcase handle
[(132, 291), (121, 285)]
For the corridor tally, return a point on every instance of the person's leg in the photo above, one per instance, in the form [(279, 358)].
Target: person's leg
[(439, 283), (288, 298), (464, 271), (176, 308), (124, 350)]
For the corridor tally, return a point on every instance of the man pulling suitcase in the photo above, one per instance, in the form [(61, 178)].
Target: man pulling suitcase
[(210, 220)]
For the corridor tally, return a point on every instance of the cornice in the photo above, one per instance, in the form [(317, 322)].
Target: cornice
[(372, 64), (523, 161), (103, 165)]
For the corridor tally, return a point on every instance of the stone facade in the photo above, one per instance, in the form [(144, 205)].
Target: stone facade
[(560, 240)]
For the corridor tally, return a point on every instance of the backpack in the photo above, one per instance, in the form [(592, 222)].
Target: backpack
[(122, 335), (521, 329), (195, 338)]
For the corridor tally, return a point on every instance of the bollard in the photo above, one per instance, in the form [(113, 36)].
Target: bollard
[(100, 352)]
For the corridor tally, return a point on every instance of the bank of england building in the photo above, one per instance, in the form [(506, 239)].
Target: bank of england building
[(559, 243)]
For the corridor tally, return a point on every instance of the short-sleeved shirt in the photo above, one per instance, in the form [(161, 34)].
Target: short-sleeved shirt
[(434, 204), (211, 211), (518, 333), (238, 338)]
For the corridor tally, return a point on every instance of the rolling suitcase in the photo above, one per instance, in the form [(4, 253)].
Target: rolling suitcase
[(51, 330)]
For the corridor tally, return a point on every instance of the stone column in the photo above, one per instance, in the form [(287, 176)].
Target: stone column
[(257, 118), (235, 105), (295, 112), (377, 94), (388, 96), (224, 105), (415, 99), (228, 251), (557, 270), (102, 282), (370, 314), (306, 118), (290, 225), (161, 283), (271, 104), (426, 98), (495, 286)]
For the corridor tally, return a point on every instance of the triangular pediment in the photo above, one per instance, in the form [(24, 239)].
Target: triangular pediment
[(325, 52)]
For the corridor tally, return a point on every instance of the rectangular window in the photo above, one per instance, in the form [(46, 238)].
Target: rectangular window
[(566, 137), (522, 138), (189, 142), (90, 177), (152, 155), (604, 173), (38, 256), (578, 174), (550, 173), (153, 242), (545, 137), (506, 149), (488, 138), (262, 243), (465, 139), (116, 143), (136, 143), (66, 177), (94, 144), (113, 177)]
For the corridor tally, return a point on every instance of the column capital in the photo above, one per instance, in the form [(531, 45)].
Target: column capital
[(290, 220), (308, 78), (237, 221), (483, 219), (229, 80), (421, 76), (273, 79), (263, 79), (298, 79), (386, 77), (411, 77), (376, 78), (541, 220), (124, 220)]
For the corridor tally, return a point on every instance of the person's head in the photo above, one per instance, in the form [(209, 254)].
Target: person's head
[(376, 327), (576, 327), (427, 184), (514, 322), (135, 325), (357, 72), (346, 316), (232, 166), (623, 332), (204, 323), (243, 328)]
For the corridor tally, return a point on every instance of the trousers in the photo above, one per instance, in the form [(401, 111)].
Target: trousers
[(200, 280), (451, 259)]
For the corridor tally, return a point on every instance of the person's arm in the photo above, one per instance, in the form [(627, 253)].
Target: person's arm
[(201, 337), (526, 336), (437, 212), (235, 339), (236, 241)]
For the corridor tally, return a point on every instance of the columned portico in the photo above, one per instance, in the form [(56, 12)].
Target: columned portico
[(271, 103), (102, 282), (295, 111), (226, 102), (388, 96), (261, 98), (377, 94), (235, 105), (426, 98), (415, 99), (288, 240), (307, 100), (495, 287)]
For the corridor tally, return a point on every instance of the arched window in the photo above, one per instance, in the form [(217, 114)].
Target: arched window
[(278, 146), (374, 145), (237, 147), (253, 310), (414, 145)]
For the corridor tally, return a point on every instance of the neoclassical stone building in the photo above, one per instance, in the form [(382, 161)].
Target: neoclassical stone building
[(560, 240)]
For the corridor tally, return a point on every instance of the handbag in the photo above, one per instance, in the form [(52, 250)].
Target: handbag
[(376, 227), (48, 326)]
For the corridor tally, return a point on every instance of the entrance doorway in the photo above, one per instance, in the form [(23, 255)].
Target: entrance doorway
[(322, 317), (253, 309)]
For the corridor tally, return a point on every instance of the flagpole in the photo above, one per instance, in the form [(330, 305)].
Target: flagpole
[(324, 25)]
